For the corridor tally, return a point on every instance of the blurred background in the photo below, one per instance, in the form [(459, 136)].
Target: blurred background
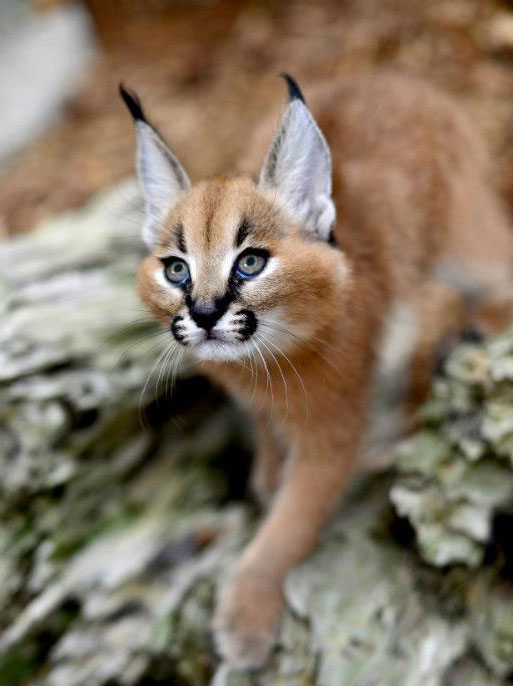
[(206, 70)]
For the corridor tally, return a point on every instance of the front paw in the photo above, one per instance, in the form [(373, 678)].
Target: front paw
[(247, 619)]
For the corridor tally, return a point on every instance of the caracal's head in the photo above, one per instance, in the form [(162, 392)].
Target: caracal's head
[(238, 267)]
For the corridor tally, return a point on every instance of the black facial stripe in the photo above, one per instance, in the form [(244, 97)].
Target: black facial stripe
[(243, 231), (180, 240), (249, 325), (208, 223), (175, 329)]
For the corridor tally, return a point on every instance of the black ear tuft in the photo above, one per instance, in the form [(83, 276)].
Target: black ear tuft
[(294, 90), (133, 103)]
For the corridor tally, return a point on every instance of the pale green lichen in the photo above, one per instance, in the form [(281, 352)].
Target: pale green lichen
[(455, 476)]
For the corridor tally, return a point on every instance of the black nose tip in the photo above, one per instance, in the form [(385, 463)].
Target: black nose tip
[(206, 315)]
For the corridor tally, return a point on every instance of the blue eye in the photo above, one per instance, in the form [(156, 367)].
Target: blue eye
[(176, 271), (250, 265)]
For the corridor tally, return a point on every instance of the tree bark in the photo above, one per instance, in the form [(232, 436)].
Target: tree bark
[(115, 532)]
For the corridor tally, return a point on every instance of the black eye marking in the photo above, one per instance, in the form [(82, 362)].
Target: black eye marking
[(168, 262), (243, 231), (180, 240), (235, 282)]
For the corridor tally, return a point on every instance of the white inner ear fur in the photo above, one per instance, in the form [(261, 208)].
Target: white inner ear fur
[(162, 179), (298, 168)]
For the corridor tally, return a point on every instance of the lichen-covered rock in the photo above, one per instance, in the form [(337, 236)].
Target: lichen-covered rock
[(115, 532), (458, 470), (456, 475)]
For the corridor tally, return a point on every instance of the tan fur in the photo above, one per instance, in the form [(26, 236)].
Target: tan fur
[(414, 204)]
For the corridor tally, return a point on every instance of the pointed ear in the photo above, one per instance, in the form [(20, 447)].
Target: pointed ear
[(298, 167), (161, 176)]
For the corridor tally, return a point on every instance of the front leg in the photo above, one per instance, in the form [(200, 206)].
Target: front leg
[(268, 463), (250, 607)]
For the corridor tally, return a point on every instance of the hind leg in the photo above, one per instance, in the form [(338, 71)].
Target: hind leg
[(478, 255), (442, 315), (446, 317)]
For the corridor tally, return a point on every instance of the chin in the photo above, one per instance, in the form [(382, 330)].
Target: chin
[(222, 351)]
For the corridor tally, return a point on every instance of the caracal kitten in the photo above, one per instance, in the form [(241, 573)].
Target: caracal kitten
[(286, 289)]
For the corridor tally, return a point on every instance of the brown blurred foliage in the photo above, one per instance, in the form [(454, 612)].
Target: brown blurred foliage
[(206, 71)]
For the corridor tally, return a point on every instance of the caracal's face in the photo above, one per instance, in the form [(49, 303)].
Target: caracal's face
[(231, 277), (237, 268)]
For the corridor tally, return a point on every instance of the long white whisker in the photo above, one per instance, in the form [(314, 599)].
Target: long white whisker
[(171, 362), (141, 397), (302, 339), (293, 367), (268, 381), (162, 371), (176, 366), (305, 341), (141, 339), (255, 380), (262, 340)]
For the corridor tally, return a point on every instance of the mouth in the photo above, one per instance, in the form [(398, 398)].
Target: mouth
[(218, 350), (213, 335), (223, 345)]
